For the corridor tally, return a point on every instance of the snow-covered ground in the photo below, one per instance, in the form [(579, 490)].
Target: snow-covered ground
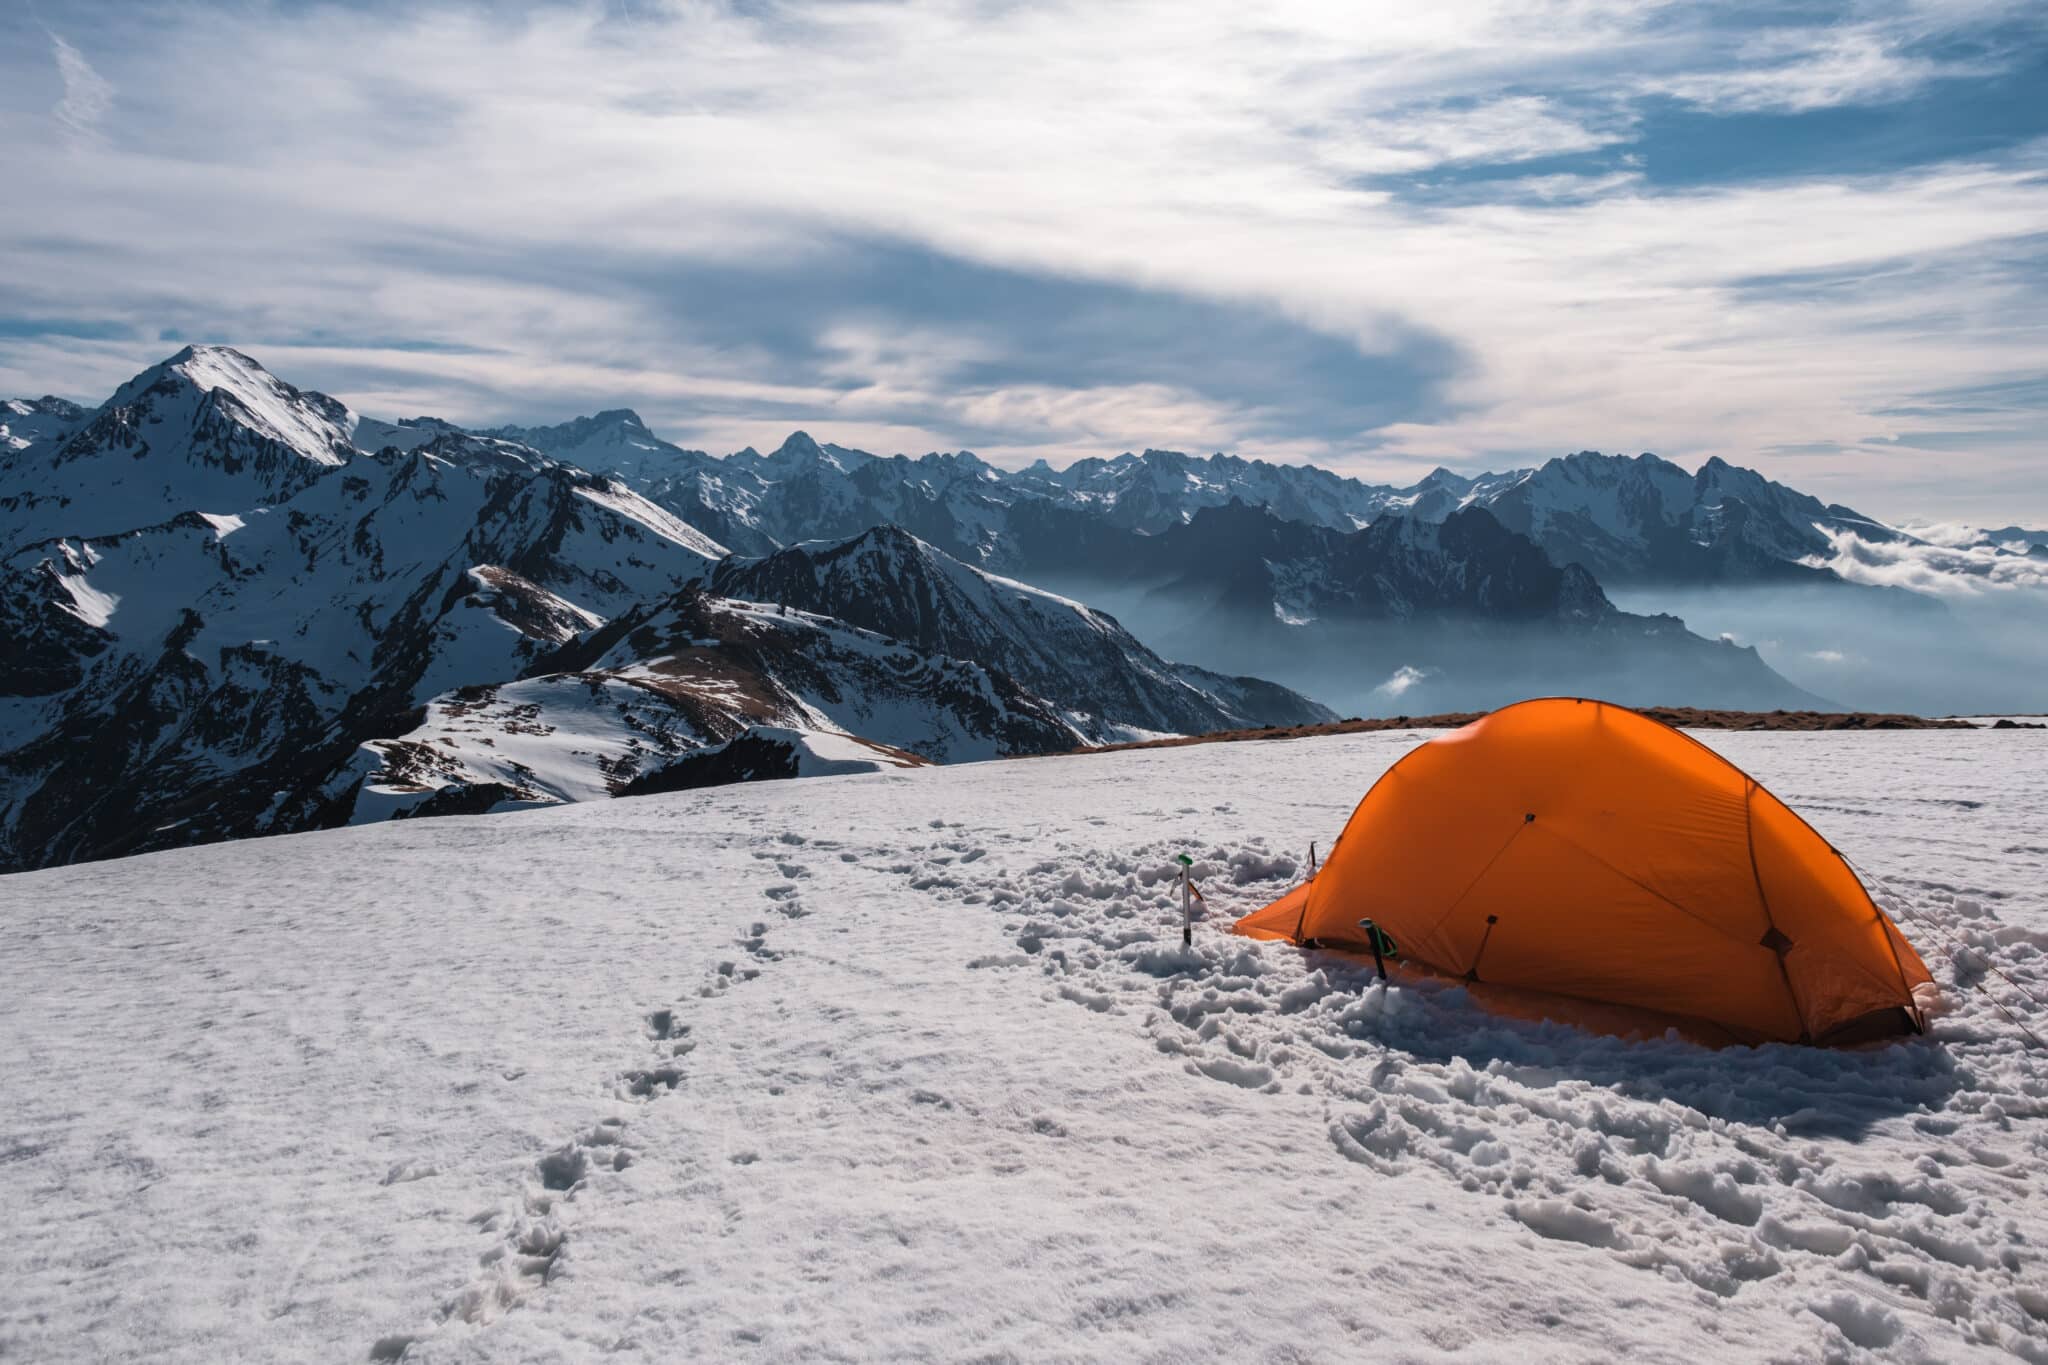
[(913, 1066)]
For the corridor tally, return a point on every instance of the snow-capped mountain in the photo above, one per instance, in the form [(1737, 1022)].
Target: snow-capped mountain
[(236, 607), (27, 423), (1648, 520), (807, 491), (200, 676), (1163, 488), (1112, 686), (672, 695), (1247, 559), (1629, 520), (1633, 521), (208, 430), (613, 442)]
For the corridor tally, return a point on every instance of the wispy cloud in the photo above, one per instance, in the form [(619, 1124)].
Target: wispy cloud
[(1402, 680), (87, 96)]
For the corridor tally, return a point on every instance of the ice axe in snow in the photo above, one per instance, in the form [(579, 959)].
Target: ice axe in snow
[(1188, 896)]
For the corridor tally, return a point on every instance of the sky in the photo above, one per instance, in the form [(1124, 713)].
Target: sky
[(1808, 238)]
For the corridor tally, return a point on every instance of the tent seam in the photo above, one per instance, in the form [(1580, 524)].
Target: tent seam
[(1749, 832), (1476, 879), (1690, 914)]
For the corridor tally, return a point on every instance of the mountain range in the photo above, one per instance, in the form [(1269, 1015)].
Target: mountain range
[(239, 607), (1629, 520), (225, 618)]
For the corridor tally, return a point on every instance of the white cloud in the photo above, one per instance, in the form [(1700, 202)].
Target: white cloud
[(1943, 570), (87, 96), (1404, 678)]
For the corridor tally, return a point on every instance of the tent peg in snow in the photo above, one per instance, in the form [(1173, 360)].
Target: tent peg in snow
[(1574, 859), (1188, 896)]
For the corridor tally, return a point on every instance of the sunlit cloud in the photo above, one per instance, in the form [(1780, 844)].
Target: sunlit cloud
[(1403, 680), (1959, 571)]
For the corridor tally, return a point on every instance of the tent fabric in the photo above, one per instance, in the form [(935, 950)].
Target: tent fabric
[(1579, 849)]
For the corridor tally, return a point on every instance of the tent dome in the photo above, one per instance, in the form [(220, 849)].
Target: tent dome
[(1578, 849)]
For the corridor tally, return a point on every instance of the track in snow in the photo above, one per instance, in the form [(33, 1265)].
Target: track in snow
[(950, 1087)]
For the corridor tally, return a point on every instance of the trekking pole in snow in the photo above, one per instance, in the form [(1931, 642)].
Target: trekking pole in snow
[(1187, 905), (1311, 857)]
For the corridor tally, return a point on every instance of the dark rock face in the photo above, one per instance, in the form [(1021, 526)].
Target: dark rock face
[(890, 582)]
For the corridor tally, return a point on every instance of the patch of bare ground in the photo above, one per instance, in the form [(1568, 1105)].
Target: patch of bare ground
[(1688, 717)]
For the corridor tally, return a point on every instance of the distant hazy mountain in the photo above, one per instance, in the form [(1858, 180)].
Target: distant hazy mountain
[(1647, 520), (1630, 520), (28, 423), (1405, 615)]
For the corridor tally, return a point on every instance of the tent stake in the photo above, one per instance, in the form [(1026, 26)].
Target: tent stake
[(1187, 906)]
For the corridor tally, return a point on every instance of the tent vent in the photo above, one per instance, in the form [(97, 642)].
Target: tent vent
[(1776, 942)]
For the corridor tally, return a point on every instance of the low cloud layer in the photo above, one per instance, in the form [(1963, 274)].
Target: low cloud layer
[(1960, 569)]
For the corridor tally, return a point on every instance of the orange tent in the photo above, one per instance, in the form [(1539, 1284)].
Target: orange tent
[(1578, 849)]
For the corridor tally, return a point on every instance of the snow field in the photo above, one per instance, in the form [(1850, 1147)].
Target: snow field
[(914, 1065)]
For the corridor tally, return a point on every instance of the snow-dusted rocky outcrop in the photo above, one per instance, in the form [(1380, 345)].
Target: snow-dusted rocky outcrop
[(199, 677), (695, 690), (1112, 686)]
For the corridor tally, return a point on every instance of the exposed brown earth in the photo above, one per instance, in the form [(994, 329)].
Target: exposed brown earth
[(1690, 717)]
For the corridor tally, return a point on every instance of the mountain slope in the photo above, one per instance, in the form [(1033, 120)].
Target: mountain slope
[(889, 581), (651, 700), (200, 677)]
